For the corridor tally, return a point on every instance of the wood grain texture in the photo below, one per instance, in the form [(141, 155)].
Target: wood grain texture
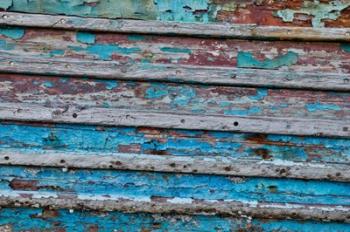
[(222, 30), (329, 13), (174, 97), (179, 164), (122, 117), (40, 138), (163, 58), (82, 221), (152, 192)]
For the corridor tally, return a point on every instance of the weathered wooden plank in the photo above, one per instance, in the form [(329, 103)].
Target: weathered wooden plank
[(151, 192), (330, 13), (123, 117), (230, 62), (179, 164), (180, 206), (27, 219), (185, 98), (175, 73), (222, 30), (39, 138)]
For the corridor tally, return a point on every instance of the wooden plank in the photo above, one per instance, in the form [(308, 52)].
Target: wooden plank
[(165, 58), (173, 97), (122, 117), (331, 13), (178, 206), (222, 30), (70, 220), (40, 137), (179, 164), (175, 73), (152, 192)]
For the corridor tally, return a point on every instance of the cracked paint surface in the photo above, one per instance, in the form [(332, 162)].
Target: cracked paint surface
[(318, 10), (333, 13)]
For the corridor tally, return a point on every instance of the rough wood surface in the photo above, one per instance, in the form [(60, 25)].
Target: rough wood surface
[(175, 73), (179, 206), (46, 219), (222, 30), (41, 137), (179, 164), (326, 13), (123, 117)]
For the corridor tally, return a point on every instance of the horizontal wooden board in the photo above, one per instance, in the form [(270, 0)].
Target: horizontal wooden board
[(27, 219), (222, 30), (330, 13), (231, 62), (39, 138), (178, 98), (181, 193), (179, 164), (128, 117)]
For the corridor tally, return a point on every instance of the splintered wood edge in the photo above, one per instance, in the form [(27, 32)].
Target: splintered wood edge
[(180, 164), (222, 30), (160, 119)]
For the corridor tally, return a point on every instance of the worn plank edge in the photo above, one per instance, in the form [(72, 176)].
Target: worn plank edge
[(180, 164), (185, 206), (159, 119), (242, 31), (174, 73)]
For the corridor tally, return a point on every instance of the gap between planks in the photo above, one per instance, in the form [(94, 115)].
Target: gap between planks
[(212, 165), (174, 73), (187, 206), (221, 30), (135, 118)]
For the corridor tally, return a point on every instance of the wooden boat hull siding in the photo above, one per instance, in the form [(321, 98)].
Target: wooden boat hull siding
[(174, 115)]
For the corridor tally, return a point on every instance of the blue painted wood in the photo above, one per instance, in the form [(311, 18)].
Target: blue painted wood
[(27, 219)]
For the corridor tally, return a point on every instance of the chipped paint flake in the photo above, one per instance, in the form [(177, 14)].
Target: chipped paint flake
[(246, 60), (5, 4), (319, 11), (12, 32)]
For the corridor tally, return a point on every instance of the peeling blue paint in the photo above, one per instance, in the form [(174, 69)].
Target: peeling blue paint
[(321, 107), (345, 47), (12, 32), (246, 60), (85, 37), (156, 91)]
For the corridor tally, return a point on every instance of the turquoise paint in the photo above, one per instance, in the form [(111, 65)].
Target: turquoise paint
[(146, 184), (105, 51), (136, 37), (176, 50), (25, 219), (5, 4), (4, 45), (12, 32), (48, 84), (178, 142), (85, 37), (156, 91), (184, 10), (56, 52), (261, 93), (313, 107), (246, 60), (345, 47)]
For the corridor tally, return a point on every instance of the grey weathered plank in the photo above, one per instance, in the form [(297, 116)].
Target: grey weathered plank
[(245, 31), (174, 73), (183, 164), (176, 205), (123, 117)]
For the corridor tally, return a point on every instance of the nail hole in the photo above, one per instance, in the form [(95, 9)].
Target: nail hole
[(75, 115), (6, 158), (182, 120), (62, 161), (235, 123)]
